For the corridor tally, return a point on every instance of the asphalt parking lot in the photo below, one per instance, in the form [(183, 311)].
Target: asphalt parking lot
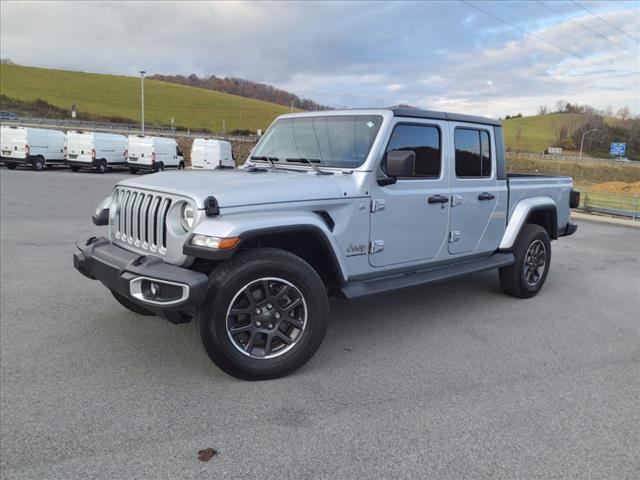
[(452, 381)]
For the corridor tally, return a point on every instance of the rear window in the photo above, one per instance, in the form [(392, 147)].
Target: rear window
[(473, 153)]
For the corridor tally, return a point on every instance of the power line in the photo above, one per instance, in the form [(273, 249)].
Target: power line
[(624, 4), (587, 28), (624, 75), (605, 21)]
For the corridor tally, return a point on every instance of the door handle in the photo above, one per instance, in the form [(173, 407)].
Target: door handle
[(438, 199), (486, 196)]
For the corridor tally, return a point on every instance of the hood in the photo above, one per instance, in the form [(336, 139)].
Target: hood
[(233, 188)]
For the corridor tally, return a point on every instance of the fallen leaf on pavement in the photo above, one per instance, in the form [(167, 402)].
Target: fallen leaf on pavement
[(206, 454)]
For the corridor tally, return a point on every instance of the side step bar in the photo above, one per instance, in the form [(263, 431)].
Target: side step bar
[(365, 288)]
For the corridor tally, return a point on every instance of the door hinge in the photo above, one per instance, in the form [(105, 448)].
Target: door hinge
[(378, 205), (454, 236), (376, 246)]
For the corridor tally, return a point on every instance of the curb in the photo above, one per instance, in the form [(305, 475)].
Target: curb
[(591, 217)]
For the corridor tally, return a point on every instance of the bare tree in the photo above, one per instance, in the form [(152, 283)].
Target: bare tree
[(561, 105), (543, 110), (624, 113)]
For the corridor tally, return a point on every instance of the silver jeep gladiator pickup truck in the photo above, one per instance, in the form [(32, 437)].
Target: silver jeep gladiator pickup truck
[(343, 203)]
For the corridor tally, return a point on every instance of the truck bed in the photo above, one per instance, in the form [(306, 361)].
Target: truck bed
[(523, 185)]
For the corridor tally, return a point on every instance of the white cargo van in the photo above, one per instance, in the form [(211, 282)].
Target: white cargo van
[(37, 147), (98, 151), (208, 153), (153, 153)]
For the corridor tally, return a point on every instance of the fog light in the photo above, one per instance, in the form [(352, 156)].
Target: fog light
[(154, 289)]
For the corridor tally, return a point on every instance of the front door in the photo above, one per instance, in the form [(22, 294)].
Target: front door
[(474, 188), (410, 218)]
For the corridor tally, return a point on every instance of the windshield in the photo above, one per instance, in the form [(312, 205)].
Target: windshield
[(341, 141)]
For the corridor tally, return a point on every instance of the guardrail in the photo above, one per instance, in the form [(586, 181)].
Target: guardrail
[(611, 204), (123, 128), (567, 158)]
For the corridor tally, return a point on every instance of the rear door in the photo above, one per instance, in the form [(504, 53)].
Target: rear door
[(474, 188), (410, 218)]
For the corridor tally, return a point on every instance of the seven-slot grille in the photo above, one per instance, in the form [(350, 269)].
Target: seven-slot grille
[(141, 219)]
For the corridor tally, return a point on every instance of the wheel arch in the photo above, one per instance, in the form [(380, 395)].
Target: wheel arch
[(308, 242), (536, 210), (305, 235)]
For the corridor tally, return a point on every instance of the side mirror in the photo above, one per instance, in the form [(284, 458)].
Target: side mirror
[(401, 163)]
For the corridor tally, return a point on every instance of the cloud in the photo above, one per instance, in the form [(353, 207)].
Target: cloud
[(434, 54)]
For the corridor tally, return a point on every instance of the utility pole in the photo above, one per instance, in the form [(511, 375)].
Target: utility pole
[(292, 106), (142, 72), (582, 141)]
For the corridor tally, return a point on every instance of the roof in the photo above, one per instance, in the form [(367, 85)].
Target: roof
[(456, 117)]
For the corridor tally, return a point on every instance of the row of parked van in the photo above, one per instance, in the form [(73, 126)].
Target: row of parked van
[(40, 147)]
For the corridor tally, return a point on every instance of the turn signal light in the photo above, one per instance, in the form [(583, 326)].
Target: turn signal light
[(215, 242)]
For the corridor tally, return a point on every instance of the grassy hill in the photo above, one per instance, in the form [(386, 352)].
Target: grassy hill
[(119, 96), (535, 134)]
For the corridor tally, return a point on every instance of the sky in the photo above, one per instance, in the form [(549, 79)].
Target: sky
[(477, 57)]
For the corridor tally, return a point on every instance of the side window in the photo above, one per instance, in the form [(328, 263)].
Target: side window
[(424, 140), (473, 153)]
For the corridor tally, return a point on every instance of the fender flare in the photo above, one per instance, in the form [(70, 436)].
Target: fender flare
[(520, 214), (297, 223)]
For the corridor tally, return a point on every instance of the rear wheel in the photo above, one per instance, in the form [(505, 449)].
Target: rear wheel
[(38, 164), (133, 170), (129, 305), (159, 167), (11, 166), (102, 166), (527, 275), (266, 314)]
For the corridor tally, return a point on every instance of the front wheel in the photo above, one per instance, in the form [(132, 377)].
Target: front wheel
[(133, 170), (266, 315), (525, 278), (74, 168), (181, 166), (11, 166), (102, 167)]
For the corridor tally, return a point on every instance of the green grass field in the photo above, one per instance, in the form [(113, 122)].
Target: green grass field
[(539, 132), (583, 173), (119, 96)]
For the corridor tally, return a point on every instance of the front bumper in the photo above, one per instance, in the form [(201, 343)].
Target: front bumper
[(130, 275)]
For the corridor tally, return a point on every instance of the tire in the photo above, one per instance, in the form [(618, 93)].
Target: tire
[(74, 168), (11, 166), (102, 167), (159, 167), (525, 278), (297, 310), (133, 170), (181, 166), (129, 305), (38, 164)]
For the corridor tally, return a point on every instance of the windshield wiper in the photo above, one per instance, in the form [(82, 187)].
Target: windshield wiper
[(312, 162), (267, 159)]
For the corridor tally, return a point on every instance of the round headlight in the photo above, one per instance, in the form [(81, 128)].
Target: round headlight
[(187, 215)]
